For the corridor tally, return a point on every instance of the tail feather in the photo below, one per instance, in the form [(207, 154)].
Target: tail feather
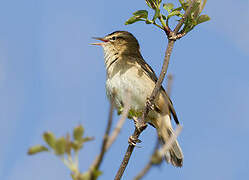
[(174, 154)]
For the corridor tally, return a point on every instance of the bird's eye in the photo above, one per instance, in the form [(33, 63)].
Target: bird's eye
[(113, 38)]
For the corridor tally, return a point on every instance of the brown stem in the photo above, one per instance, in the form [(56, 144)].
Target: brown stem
[(147, 167), (142, 125), (150, 102), (186, 14), (99, 160), (120, 124), (107, 142)]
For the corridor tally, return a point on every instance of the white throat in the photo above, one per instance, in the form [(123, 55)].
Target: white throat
[(111, 55)]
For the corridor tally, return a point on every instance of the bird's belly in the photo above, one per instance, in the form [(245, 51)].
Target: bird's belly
[(129, 83)]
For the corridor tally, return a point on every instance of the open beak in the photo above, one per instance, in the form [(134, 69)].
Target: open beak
[(101, 43)]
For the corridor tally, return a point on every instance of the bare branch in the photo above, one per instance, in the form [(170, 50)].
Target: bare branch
[(150, 163), (108, 140), (120, 123), (142, 125), (150, 102), (98, 161)]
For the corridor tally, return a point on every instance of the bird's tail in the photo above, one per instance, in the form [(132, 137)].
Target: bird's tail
[(174, 155)]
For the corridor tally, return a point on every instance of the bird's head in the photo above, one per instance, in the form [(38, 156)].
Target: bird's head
[(120, 41)]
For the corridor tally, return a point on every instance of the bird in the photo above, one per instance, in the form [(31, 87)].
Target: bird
[(127, 71)]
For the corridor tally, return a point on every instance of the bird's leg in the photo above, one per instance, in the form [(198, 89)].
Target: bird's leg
[(133, 140), (149, 104), (139, 124), (136, 121)]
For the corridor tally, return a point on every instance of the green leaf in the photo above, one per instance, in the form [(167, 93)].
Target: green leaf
[(196, 9), (68, 145), (120, 110), (82, 176), (78, 132), (36, 149), (147, 22), (181, 2), (196, 5), (185, 5), (178, 9), (76, 145), (97, 173), (132, 20), (175, 13), (164, 17), (132, 113), (202, 19), (60, 146), (86, 139), (49, 138), (156, 15), (168, 7), (141, 14)]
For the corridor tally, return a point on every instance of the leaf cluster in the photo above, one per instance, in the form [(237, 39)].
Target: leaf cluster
[(170, 10), (62, 145)]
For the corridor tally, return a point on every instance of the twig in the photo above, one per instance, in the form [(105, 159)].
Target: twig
[(142, 125), (98, 161), (149, 104), (108, 140), (120, 123), (147, 167), (186, 14)]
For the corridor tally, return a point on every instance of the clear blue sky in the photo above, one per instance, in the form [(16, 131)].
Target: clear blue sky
[(52, 79)]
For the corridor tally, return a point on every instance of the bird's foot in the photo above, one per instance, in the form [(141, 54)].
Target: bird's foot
[(149, 104), (140, 125), (133, 141)]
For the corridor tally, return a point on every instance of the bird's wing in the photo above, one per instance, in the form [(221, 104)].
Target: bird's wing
[(151, 74)]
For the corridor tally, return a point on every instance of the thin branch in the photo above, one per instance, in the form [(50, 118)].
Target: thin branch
[(108, 140), (97, 163), (150, 164), (150, 102), (166, 27), (120, 123), (142, 125), (186, 14)]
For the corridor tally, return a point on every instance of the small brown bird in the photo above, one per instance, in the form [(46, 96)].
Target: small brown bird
[(128, 72)]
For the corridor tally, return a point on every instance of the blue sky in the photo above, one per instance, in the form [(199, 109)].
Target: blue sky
[(52, 79)]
